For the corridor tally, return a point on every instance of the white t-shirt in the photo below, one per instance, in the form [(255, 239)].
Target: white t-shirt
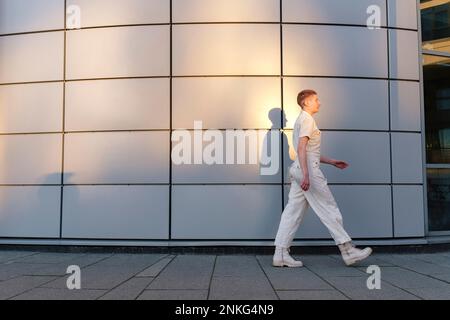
[(305, 126)]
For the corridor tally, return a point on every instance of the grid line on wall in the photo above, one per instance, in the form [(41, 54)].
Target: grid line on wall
[(390, 123), (190, 129), (203, 239), (203, 184), (211, 76), (61, 199), (282, 105), (202, 23), (171, 122)]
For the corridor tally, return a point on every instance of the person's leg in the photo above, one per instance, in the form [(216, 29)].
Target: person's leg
[(324, 205), (292, 216), (291, 219), (351, 254)]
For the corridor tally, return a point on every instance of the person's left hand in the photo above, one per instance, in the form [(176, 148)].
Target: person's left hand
[(340, 164)]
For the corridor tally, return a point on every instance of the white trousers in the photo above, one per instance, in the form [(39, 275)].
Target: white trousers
[(318, 196)]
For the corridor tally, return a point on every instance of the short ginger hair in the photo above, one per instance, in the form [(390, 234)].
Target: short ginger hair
[(305, 94)]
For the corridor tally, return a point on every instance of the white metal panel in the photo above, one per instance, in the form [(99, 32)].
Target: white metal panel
[(366, 212), (357, 104), (256, 146), (30, 212), (116, 212), (121, 12), (34, 107), (31, 15), (118, 52), (226, 11), (230, 212), (118, 104), (405, 105), (403, 13), (367, 154), (407, 158), (32, 57), (408, 211), (341, 51), (227, 49), (404, 54), (227, 103), (116, 157), (30, 159), (332, 11)]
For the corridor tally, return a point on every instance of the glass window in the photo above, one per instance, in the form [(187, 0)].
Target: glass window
[(438, 199), (435, 25), (436, 80), (437, 108)]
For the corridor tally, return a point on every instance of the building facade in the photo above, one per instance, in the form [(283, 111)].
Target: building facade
[(92, 92)]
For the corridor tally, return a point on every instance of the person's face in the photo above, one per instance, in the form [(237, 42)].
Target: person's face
[(313, 103)]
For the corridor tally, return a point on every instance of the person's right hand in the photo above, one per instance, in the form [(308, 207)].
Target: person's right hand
[(305, 183)]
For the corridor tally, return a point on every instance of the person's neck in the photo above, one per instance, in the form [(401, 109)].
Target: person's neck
[(309, 112)]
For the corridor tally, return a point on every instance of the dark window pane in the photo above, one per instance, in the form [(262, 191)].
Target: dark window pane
[(438, 199), (436, 25), (437, 108)]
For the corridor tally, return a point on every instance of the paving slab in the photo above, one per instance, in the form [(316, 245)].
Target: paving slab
[(240, 277), (99, 277), (408, 279), (60, 294), (155, 269), (11, 288), (356, 289), (432, 293), (174, 295), (129, 290), (292, 278), (186, 272), (311, 295), (6, 256)]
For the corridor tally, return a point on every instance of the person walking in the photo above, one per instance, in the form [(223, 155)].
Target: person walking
[(309, 188)]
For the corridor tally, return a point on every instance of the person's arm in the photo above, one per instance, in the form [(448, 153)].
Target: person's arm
[(306, 128), (327, 160), (337, 163), (301, 155)]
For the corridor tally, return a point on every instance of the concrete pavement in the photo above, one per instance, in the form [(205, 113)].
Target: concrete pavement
[(42, 275)]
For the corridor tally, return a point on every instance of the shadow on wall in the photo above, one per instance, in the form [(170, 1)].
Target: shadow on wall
[(274, 116)]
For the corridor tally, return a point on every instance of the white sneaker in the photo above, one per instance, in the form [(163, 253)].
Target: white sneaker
[(351, 255), (281, 258)]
